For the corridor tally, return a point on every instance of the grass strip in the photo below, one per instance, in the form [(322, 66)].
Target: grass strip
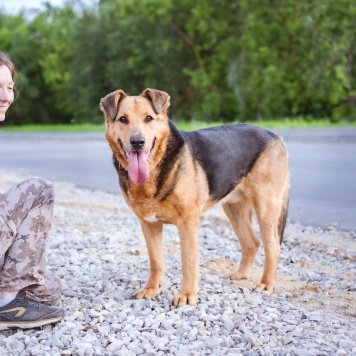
[(182, 125)]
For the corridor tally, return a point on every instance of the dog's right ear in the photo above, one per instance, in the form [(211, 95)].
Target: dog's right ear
[(110, 104)]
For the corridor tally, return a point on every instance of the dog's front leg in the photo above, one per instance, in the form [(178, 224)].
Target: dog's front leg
[(188, 235), (153, 237)]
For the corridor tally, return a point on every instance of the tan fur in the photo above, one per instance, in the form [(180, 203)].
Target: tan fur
[(264, 191)]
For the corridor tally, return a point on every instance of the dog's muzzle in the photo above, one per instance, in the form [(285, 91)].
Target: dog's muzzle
[(137, 158)]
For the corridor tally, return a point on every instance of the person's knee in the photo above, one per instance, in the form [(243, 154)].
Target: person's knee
[(45, 185)]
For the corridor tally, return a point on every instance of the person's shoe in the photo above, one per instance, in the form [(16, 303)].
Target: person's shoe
[(24, 312)]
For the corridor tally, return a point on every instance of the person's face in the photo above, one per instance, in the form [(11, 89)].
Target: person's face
[(6, 90)]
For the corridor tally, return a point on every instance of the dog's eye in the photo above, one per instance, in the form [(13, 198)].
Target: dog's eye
[(148, 118), (124, 120)]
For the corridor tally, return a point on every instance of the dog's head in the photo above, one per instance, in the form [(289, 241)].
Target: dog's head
[(136, 127)]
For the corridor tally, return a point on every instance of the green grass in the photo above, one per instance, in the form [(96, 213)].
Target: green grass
[(54, 128), (182, 125), (301, 123), (269, 124)]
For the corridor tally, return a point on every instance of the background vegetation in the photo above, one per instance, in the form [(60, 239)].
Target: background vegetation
[(225, 60)]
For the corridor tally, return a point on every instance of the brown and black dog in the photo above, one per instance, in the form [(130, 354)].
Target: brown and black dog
[(169, 176)]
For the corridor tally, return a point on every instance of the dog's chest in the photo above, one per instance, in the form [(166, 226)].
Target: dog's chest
[(157, 214), (151, 218), (152, 210)]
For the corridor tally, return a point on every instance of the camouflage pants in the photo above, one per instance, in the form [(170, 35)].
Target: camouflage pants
[(26, 212)]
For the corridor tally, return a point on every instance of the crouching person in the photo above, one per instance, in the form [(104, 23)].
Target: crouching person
[(27, 289)]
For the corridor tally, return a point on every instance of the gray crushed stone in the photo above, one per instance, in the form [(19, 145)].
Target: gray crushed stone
[(98, 250)]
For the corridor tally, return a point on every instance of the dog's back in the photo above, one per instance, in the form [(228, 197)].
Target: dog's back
[(227, 153)]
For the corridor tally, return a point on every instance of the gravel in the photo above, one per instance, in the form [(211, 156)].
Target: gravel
[(98, 250)]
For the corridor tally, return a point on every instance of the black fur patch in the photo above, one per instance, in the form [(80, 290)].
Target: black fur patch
[(124, 179), (175, 143), (227, 153)]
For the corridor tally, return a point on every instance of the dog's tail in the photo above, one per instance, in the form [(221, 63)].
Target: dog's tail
[(284, 212)]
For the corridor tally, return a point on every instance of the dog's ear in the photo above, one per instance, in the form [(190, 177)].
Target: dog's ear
[(159, 99), (110, 104)]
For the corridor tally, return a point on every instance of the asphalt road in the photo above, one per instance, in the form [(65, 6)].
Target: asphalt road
[(322, 165)]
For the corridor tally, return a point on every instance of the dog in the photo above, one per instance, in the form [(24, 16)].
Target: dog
[(168, 176)]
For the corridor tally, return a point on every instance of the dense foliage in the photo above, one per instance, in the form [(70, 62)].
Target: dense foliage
[(219, 60)]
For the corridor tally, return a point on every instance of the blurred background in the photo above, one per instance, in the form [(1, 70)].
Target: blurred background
[(221, 60)]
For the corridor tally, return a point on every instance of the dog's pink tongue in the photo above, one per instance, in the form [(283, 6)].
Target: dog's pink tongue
[(138, 167)]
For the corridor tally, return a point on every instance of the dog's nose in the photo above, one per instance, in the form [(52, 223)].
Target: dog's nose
[(137, 142)]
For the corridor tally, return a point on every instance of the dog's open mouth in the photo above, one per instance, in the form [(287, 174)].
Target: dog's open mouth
[(138, 165)]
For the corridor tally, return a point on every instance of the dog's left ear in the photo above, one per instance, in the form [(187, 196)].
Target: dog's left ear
[(159, 99), (110, 104)]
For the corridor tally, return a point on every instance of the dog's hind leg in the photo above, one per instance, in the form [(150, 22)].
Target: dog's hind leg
[(153, 237), (270, 185), (268, 212), (240, 215)]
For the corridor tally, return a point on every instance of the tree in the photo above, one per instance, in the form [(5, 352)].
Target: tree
[(219, 60), (40, 49), (292, 57)]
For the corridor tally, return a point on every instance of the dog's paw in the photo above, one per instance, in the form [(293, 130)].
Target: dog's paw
[(185, 299), (268, 287), (146, 293), (236, 276)]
